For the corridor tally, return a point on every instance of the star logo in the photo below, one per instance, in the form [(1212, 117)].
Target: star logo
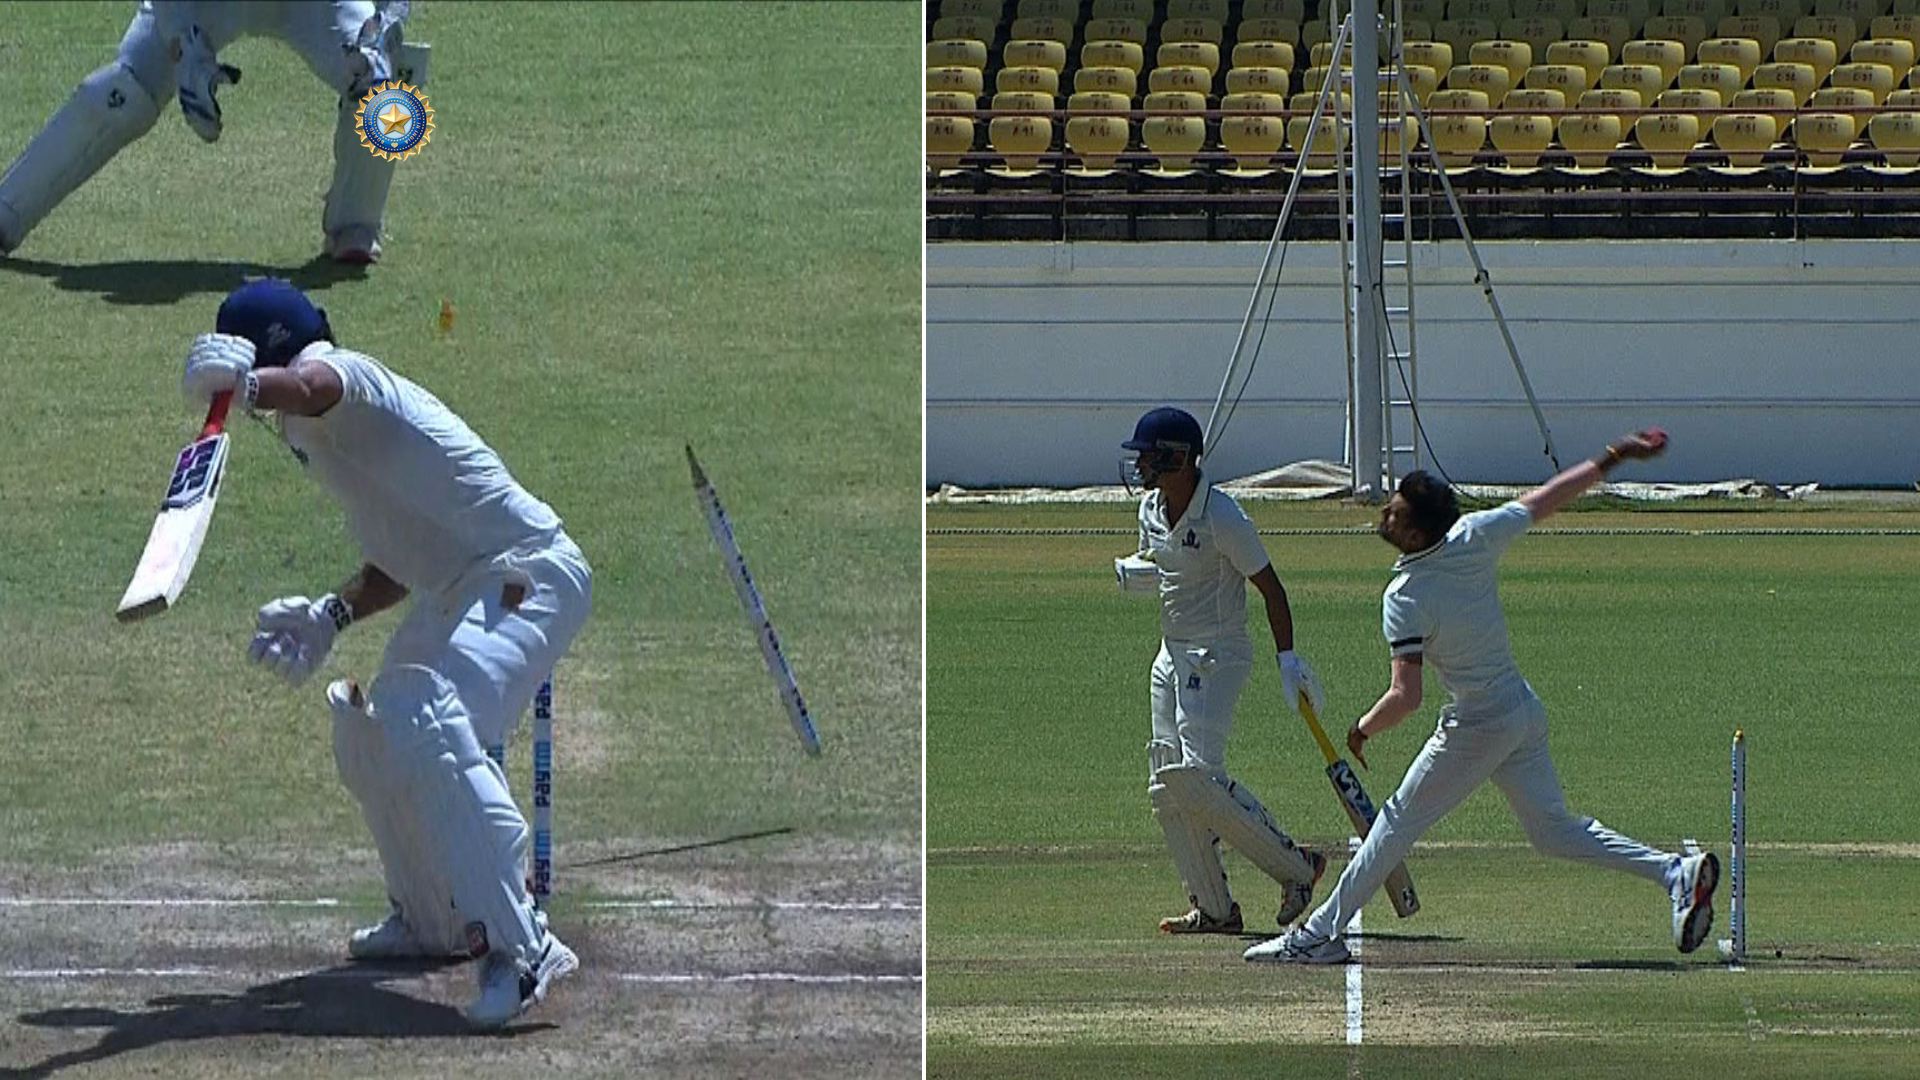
[(394, 120)]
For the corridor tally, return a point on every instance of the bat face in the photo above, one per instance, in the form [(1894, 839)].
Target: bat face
[(173, 546)]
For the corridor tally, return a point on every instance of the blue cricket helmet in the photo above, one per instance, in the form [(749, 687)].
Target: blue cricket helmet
[(274, 315), (1167, 428)]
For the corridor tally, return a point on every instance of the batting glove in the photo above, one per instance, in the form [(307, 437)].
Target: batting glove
[(295, 635), (1297, 678), (216, 364), (201, 74)]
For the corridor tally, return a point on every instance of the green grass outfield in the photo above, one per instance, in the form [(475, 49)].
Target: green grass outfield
[(658, 223), (1047, 873)]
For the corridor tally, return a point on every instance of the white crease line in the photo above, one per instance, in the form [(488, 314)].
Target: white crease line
[(665, 904), (1356, 994), (381, 974)]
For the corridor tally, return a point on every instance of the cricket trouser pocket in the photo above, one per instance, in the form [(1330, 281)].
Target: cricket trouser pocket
[(1195, 688)]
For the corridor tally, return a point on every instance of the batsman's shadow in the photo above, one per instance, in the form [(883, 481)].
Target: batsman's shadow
[(168, 281), (346, 1001)]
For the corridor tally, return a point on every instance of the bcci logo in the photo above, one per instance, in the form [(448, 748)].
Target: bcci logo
[(394, 120)]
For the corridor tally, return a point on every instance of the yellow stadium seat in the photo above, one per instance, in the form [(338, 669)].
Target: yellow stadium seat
[(1253, 101), (1763, 30), (1538, 31), (966, 27), (1430, 11), (1035, 53), (1666, 56), (1709, 12), (1141, 10), (1634, 12), (1017, 135), (1437, 55), (1692, 100), (1521, 137), (948, 140), (1116, 30), (1644, 80), (1798, 79), (959, 80), (1215, 10), (1328, 139), (1875, 79), (1121, 54), (1314, 32), (1904, 100), (1688, 30), (1617, 102), (1456, 139), (1049, 28), (1193, 80), (1569, 79), (1745, 137), (1590, 56), (1175, 129), (1561, 11), (989, 9), (1742, 54), (1591, 137), (1784, 11), (1611, 29), (1823, 137), (1667, 137), (1490, 10), (1097, 128), (1301, 104), (1772, 99), (1321, 55), (1515, 56), (1860, 11), (1263, 54), (1047, 9), (1412, 29), (1843, 99), (1258, 80), (1423, 81), (1897, 136), (1286, 31), (1394, 134), (1462, 33), (1903, 27), (957, 52), (1817, 53), (1535, 99), (1294, 10), (1207, 30), (1896, 53), (1313, 78), (1252, 137), (1839, 29), (1109, 80), (1723, 79), (951, 101), (1036, 80), (1906, 7), (1486, 78), (1190, 54)]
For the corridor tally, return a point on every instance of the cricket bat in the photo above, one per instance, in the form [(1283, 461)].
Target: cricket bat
[(1359, 808), (174, 544)]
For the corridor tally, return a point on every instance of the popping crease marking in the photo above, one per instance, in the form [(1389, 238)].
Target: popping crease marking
[(663, 904)]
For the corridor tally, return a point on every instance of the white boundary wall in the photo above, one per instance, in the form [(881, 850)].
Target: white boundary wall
[(1784, 361)]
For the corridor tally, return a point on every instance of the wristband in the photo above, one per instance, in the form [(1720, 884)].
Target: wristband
[(249, 390), (337, 611)]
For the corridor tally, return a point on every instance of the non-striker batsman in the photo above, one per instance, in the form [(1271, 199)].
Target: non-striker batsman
[(498, 592)]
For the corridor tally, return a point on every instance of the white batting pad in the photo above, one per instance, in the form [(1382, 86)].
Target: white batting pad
[(1195, 855), (108, 110), (473, 833), (1232, 813), (413, 881)]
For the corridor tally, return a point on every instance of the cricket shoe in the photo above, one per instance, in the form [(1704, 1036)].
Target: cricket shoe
[(390, 939), (354, 245), (1299, 947), (1199, 922), (1693, 900), (1296, 895), (509, 987)]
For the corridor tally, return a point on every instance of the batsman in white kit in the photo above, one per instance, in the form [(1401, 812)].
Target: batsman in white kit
[(498, 592), (171, 50), (1198, 552), (1442, 610)]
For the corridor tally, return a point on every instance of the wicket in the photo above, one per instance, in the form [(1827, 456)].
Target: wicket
[(540, 880)]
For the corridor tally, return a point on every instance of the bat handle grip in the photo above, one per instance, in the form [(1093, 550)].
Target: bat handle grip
[(217, 414)]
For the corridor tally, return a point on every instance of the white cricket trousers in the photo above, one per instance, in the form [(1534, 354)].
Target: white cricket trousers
[(1512, 752), (1194, 691)]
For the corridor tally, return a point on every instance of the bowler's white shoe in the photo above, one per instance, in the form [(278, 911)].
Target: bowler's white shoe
[(509, 987), (1296, 895), (389, 939), (1693, 900), (1299, 947)]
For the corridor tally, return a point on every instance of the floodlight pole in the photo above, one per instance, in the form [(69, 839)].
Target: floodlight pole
[(1369, 398)]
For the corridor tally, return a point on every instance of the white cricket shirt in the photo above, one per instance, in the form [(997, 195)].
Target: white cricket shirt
[(1205, 559), (427, 500), (1444, 604)]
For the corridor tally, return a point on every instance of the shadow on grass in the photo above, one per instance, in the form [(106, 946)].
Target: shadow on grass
[(168, 281), (347, 1001)]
